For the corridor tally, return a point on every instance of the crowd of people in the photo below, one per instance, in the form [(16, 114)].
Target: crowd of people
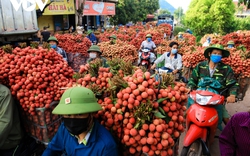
[(80, 134)]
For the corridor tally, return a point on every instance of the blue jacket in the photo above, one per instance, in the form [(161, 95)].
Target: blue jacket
[(100, 143), (92, 38)]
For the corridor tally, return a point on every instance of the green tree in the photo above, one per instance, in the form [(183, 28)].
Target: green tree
[(242, 23), (245, 2), (164, 11), (210, 16), (178, 13), (134, 10), (223, 13)]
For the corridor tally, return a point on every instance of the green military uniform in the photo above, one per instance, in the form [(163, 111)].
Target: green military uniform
[(95, 48), (222, 73), (104, 61), (10, 126)]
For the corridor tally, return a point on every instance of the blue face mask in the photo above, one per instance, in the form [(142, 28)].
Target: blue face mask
[(230, 46), (53, 46), (149, 39), (215, 58), (174, 51), (180, 36)]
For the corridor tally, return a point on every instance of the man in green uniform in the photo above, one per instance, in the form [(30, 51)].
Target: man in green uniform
[(221, 72), (214, 68), (10, 127), (95, 52)]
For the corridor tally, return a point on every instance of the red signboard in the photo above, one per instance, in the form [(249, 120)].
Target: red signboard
[(98, 8)]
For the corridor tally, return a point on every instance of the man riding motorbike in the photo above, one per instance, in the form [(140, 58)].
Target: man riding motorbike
[(148, 43), (221, 72), (173, 60)]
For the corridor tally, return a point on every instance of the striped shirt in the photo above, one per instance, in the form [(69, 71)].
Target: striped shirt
[(235, 138), (223, 73)]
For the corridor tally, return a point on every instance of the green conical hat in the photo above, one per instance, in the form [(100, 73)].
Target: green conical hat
[(225, 53), (94, 48), (113, 36), (52, 38), (230, 42), (89, 32), (77, 100)]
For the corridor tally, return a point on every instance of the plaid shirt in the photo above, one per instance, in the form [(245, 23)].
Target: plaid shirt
[(223, 73)]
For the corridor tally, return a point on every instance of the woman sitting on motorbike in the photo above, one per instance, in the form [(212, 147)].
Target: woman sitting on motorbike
[(173, 60), (214, 68)]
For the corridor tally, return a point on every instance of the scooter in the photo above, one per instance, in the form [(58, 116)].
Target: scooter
[(201, 122), (145, 59), (178, 76)]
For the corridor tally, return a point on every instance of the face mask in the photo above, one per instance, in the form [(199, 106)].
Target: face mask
[(92, 55), (76, 125), (149, 39), (53, 46), (180, 36), (230, 46), (215, 58), (174, 51)]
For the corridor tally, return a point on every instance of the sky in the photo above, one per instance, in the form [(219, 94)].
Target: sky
[(180, 3)]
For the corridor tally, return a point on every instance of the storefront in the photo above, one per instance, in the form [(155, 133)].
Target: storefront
[(58, 16), (97, 14)]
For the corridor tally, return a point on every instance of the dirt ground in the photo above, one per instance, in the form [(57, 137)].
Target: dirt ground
[(232, 108)]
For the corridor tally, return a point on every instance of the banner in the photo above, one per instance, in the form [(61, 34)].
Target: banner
[(60, 7), (98, 8)]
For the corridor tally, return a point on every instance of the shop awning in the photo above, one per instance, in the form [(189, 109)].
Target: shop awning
[(98, 8)]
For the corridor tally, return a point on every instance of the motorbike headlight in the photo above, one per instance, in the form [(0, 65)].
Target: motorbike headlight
[(203, 100)]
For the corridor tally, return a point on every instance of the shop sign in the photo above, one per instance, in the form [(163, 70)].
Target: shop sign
[(60, 7), (98, 8)]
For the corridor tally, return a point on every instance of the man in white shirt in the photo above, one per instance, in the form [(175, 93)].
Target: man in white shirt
[(148, 43), (172, 59)]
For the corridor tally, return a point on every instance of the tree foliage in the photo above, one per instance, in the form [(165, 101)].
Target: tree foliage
[(178, 13), (245, 2), (242, 23), (134, 10), (164, 11), (210, 16)]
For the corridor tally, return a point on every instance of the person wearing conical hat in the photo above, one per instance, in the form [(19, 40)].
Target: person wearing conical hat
[(94, 53), (180, 35), (54, 44), (148, 43), (91, 36), (80, 134), (216, 70), (230, 44), (112, 39)]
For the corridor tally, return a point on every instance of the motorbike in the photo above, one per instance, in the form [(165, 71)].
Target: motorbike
[(178, 76), (201, 122), (145, 58)]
